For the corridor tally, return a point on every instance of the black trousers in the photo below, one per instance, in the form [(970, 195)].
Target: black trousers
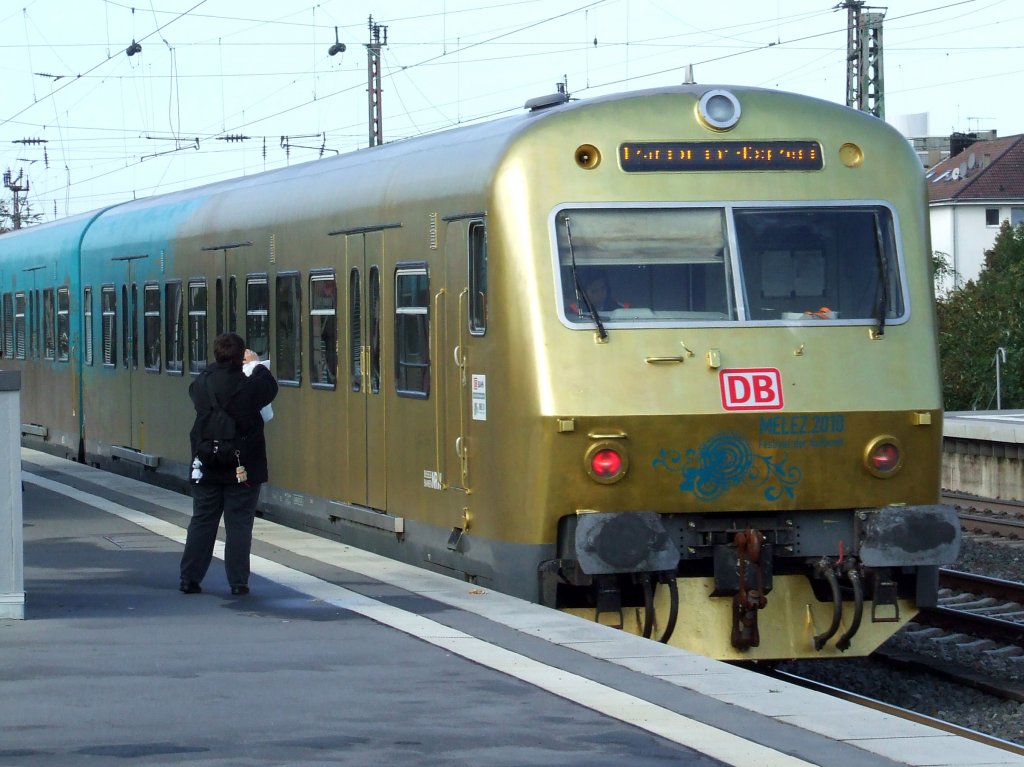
[(237, 504)]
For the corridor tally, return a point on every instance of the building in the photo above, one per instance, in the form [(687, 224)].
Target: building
[(970, 194)]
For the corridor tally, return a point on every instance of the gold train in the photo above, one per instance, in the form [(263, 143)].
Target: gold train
[(665, 359)]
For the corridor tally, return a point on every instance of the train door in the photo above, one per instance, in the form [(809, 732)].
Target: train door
[(365, 396), (122, 307), (463, 317)]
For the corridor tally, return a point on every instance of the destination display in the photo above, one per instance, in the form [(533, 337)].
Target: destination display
[(650, 156)]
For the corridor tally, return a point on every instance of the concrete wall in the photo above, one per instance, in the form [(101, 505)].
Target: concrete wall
[(990, 470)]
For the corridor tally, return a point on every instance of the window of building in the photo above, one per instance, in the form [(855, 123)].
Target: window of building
[(991, 216), (174, 336), (63, 324), (108, 309), (1016, 216), (412, 331), (477, 278), (288, 336), (49, 334), (257, 315), (151, 327), (197, 344), (323, 331), (87, 320)]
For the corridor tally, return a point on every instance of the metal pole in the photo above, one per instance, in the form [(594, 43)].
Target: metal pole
[(1000, 352)]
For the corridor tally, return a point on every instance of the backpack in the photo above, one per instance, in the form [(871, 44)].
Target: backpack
[(221, 443)]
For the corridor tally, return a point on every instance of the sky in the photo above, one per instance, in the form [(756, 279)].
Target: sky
[(226, 88)]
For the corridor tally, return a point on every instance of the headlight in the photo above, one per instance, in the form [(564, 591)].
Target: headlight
[(719, 110)]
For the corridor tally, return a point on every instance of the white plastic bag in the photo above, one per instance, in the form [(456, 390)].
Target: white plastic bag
[(268, 411)]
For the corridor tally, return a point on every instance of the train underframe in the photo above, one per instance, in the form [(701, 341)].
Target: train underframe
[(842, 581)]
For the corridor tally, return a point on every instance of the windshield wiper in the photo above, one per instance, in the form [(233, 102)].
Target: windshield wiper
[(882, 308), (581, 294)]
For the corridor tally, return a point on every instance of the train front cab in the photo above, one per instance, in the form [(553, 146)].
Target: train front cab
[(789, 505), (756, 476)]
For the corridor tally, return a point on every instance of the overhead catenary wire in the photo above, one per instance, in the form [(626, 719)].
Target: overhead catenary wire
[(422, 109)]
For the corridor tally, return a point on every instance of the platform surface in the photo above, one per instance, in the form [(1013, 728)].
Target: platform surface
[(339, 657), (988, 425)]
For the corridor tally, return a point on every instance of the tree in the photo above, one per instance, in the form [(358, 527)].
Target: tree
[(28, 218), (977, 320)]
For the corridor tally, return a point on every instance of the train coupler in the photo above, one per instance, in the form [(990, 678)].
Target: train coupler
[(747, 601)]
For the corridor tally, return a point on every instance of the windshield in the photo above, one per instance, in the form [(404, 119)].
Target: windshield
[(641, 266)]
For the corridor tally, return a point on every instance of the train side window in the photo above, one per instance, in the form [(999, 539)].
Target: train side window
[(129, 325), (151, 327), (355, 328), (323, 331), (49, 344), (19, 326), (219, 302), (87, 323), (233, 304), (33, 324), (257, 314), (374, 312), (174, 337), (108, 311), (412, 331), (126, 344), (288, 338), (63, 324), (8, 321), (197, 326), (477, 278)]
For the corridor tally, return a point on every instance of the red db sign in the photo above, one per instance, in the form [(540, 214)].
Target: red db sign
[(751, 389)]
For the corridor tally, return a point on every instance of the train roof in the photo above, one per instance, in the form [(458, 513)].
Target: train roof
[(468, 153)]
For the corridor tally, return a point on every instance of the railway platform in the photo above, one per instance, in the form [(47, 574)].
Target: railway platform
[(339, 657), (983, 453)]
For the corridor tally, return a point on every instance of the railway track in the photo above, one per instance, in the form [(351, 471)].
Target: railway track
[(979, 606), (988, 516)]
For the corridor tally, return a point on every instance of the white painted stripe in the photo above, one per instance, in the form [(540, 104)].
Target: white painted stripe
[(640, 713)]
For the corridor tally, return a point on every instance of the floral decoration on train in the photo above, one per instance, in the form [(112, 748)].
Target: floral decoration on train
[(726, 461)]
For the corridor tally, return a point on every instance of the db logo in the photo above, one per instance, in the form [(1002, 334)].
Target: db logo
[(751, 389)]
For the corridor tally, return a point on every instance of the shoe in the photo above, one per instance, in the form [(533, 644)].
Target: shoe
[(239, 591), (190, 587)]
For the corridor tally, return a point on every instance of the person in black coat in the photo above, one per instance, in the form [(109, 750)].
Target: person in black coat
[(226, 491)]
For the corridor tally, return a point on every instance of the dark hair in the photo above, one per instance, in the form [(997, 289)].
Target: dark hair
[(229, 347)]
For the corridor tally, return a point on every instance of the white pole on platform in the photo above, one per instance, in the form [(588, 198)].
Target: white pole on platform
[(12, 579), (1000, 352)]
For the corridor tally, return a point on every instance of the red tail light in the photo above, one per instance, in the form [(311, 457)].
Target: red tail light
[(606, 463), (883, 456)]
